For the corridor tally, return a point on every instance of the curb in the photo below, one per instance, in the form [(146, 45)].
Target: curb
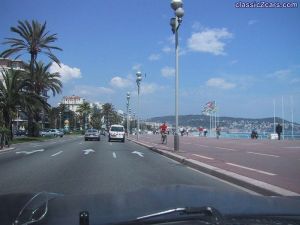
[(234, 178), (7, 149)]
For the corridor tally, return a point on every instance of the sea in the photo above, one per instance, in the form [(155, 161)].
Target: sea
[(245, 135)]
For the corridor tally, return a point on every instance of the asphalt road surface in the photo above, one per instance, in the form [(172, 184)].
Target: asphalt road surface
[(69, 165)]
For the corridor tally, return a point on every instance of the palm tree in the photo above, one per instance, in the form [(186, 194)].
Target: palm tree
[(13, 93), (84, 109), (44, 81), (33, 39)]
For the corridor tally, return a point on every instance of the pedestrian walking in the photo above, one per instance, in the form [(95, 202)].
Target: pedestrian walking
[(205, 132), (218, 132), (278, 130)]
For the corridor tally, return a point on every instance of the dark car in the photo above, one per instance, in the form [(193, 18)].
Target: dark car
[(92, 134), (20, 133)]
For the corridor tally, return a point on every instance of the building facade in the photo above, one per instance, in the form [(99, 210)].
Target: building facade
[(72, 102)]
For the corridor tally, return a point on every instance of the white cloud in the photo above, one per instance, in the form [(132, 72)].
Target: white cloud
[(166, 49), (136, 66), (220, 83), (148, 88), (154, 57), (167, 71), (67, 73), (281, 74), (252, 22), (209, 40), (87, 90), (120, 82)]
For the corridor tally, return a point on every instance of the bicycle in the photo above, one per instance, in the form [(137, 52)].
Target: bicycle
[(164, 138)]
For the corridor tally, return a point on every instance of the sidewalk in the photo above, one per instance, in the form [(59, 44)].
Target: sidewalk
[(268, 167)]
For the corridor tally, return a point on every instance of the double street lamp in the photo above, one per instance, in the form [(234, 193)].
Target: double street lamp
[(128, 98), (138, 82), (177, 6)]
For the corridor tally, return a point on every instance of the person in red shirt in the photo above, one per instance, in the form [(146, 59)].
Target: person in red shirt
[(163, 128), (163, 131)]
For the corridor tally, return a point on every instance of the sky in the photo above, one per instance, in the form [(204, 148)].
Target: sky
[(242, 58)]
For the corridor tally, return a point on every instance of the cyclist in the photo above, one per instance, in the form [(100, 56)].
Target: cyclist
[(163, 131)]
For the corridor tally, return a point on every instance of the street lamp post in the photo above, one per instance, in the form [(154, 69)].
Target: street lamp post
[(175, 22), (18, 118), (59, 120), (128, 98), (138, 82)]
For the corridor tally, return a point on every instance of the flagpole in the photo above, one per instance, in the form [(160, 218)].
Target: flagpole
[(210, 124), (274, 113), (292, 110), (282, 111), (216, 117)]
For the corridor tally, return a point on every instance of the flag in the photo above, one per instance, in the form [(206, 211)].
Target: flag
[(209, 108)]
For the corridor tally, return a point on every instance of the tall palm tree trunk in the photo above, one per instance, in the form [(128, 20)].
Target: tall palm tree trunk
[(31, 132)]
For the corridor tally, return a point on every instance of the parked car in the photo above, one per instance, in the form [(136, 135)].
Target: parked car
[(45, 132), (51, 132), (92, 134), (116, 132), (20, 132), (57, 132)]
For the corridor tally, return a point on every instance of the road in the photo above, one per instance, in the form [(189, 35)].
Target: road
[(69, 165), (270, 161)]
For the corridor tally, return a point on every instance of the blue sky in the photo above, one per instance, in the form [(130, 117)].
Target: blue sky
[(241, 58)]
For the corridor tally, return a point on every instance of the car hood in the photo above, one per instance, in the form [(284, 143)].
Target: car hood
[(107, 208)]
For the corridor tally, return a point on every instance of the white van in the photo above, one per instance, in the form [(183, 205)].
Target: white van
[(116, 132)]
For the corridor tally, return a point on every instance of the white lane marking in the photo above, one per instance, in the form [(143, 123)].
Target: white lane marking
[(248, 168), (80, 143), (57, 153), (229, 149), (110, 143), (114, 155), (28, 152), (138, 153), (206, 146), (256, 153), (54, 142), (87, 151), (204, 157), (292, 147), (36, 145)]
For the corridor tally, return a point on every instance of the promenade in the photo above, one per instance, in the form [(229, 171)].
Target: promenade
[(272, 162)]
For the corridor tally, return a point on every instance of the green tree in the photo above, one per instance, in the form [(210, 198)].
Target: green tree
[(42, 81), (84, 109), (32, 38), (96, 117), (13, 93), (110, 115)]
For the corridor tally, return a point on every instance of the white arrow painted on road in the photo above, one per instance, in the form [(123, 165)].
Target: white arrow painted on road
[(87, 151), (27, 153), (138, 153)]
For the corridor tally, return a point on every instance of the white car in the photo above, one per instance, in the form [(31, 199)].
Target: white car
[(116, 132)]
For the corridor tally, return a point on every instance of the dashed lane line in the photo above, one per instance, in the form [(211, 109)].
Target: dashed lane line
[(57, 153), (204, 157), (229, 149), (251, 169), (114, 155), (263, 154)]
